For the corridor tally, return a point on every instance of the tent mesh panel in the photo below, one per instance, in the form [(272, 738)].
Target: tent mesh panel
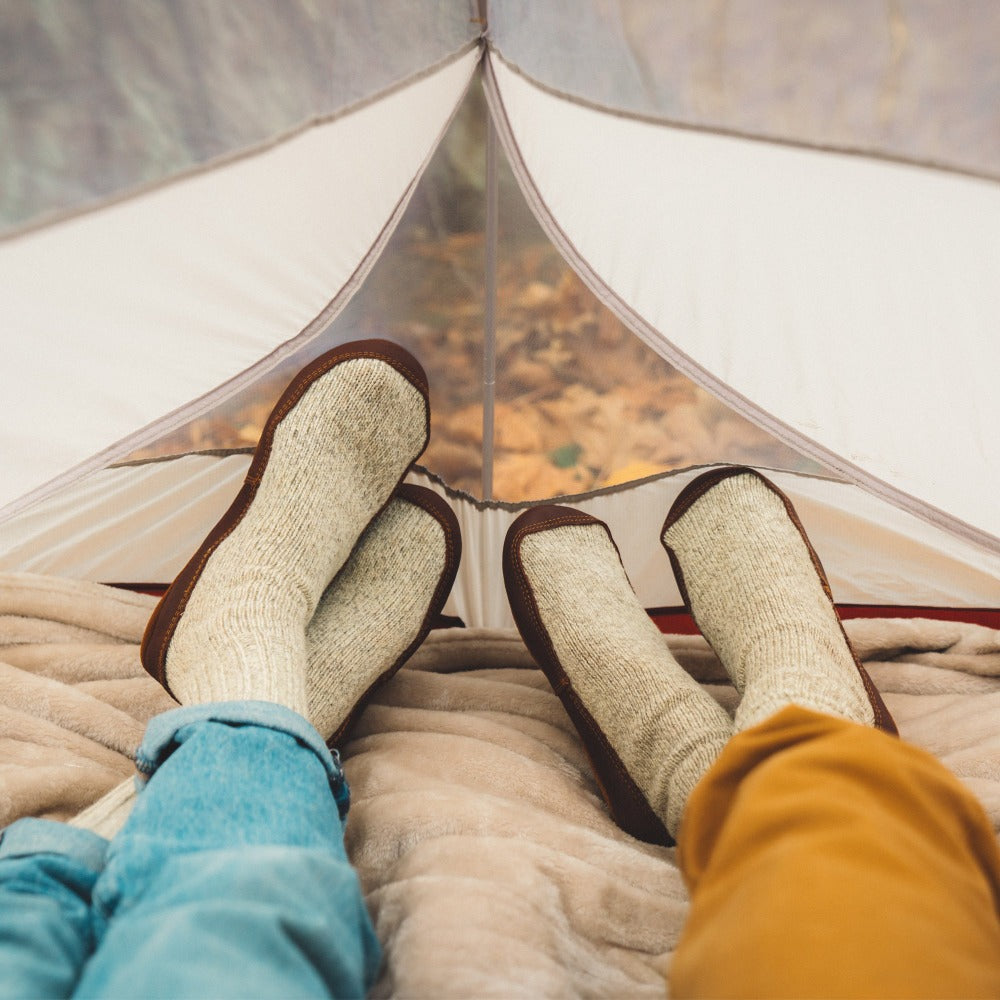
[(581, 403)]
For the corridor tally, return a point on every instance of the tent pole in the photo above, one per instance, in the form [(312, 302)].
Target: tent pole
[(489, 307)]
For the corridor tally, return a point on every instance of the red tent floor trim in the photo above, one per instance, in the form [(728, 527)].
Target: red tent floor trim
[(677, 621)]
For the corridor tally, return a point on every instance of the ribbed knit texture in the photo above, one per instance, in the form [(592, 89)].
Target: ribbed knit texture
[(759, 601), (336, 458), (664, 727), (373, 610)]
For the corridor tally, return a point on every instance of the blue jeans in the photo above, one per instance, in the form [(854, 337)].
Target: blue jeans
[(229, 878)]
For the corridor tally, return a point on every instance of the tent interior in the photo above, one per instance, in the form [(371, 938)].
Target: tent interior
[(612, 278), (627, 241)]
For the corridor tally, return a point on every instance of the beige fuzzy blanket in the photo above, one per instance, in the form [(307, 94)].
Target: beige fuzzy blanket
[(489, 864)]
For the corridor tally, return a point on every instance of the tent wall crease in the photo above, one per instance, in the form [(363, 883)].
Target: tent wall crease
[(847, 304)]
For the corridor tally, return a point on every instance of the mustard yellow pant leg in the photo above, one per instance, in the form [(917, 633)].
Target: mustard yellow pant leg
[(826, 859)]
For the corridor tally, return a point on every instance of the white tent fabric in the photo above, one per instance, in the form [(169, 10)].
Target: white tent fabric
[(797, 206), (183, 289), (840, 301)]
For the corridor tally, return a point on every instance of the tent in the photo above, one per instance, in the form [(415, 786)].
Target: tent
[(795, 206), (627, 239)]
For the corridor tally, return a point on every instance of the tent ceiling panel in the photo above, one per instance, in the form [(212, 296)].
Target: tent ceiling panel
[(850, 305), (908, 79), (195, 282), (142, 522), (97, 99)]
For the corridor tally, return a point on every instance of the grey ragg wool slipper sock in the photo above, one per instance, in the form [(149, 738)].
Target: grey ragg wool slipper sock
[(232, 626), (759, 595), (650, 731)]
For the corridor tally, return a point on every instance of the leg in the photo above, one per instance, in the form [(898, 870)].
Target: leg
[(47, 873), (107, 815), (370, 618), (230, 877), (760, 596), (650, 731), (827, 859), (824, 858)]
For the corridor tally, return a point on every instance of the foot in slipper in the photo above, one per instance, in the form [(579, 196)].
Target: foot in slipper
[(759, 595), (233, 624), (371, 618), (380, 606), (650, 731)]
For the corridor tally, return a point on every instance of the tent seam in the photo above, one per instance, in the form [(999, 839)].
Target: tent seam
[(481, 503), (603, 491)]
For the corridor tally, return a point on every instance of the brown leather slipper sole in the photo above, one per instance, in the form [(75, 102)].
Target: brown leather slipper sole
[(167, 614), (626, 802), (427, 500), (694, 491)]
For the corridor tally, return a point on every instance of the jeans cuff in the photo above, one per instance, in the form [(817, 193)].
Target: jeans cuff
[(160, 740), (25, 837)]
